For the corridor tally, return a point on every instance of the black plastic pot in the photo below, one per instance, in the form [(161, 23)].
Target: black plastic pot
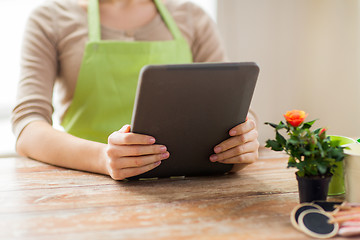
[(313, 188)]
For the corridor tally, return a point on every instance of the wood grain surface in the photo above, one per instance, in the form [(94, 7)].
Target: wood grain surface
[(40, 201)]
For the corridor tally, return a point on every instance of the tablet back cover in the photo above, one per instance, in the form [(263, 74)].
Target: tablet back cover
[(190, 109)]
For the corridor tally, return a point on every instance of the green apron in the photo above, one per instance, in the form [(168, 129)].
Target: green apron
[(105, 91)]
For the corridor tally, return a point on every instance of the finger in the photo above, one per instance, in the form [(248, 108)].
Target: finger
[(236, 141), (125, 129), (130, 162), (117, 151), (242, 128), (127, 138), (247, 158), (130, 172), (236, 151)]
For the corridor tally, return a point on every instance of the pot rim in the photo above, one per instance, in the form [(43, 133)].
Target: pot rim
[(315, 176)]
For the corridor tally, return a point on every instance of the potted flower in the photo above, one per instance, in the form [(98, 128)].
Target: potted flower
[(313, 153)]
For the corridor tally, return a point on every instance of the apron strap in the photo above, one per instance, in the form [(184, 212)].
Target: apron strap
[(94, 20), (168, 19)]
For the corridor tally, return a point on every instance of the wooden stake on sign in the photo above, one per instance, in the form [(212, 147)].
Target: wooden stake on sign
[(345, 218)]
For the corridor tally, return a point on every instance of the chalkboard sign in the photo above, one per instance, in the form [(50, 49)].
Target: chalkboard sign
[(298, 210), (315, 223)]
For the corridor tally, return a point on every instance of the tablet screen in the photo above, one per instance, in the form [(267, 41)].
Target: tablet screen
[(190, 108)]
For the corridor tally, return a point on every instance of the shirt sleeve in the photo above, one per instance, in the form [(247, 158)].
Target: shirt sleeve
[(207, 44), (38, 71)]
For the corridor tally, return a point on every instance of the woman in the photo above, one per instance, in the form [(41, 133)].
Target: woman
[(95, 62)]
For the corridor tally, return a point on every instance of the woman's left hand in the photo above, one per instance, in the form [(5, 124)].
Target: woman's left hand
[(241, 148)]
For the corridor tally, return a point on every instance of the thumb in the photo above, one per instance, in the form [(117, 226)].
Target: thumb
[(125, 129)]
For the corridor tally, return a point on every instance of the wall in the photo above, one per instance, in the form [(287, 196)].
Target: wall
[(308, 52), (13, 16), (209, 6)]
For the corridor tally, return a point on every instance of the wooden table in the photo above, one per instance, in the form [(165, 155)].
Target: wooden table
[(39, 201)]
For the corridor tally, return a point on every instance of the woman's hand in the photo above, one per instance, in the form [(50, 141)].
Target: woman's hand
[(130, 154), (241, 148)]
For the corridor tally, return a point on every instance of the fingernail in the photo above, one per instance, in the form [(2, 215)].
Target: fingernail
[(151, 140), (213, 158), (232, 133), (163, 149), (217, 149), (165, 155), (157, 163)]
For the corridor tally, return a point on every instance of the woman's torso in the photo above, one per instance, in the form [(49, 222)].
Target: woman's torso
[(63, 25)]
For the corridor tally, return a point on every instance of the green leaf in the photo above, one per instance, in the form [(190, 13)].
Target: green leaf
[(311, 170), (281, 140), (292, 160), (317, 131), (307, 153), (322, 168), (293, 140), (271, 124), (281, 126), (274, 145), (308, 124), (322, 153), (301, 173)]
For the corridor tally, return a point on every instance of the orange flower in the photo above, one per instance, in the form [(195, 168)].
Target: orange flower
[(295, 117)]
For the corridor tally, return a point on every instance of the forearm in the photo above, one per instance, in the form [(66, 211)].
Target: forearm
[(42, 142)]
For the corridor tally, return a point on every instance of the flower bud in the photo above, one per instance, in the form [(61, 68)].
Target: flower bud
[(322, 133)]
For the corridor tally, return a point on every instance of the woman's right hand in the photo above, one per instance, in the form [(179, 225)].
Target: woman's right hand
[(130, 154)]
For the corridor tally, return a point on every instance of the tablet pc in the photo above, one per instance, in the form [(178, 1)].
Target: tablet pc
[(190, 108)]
